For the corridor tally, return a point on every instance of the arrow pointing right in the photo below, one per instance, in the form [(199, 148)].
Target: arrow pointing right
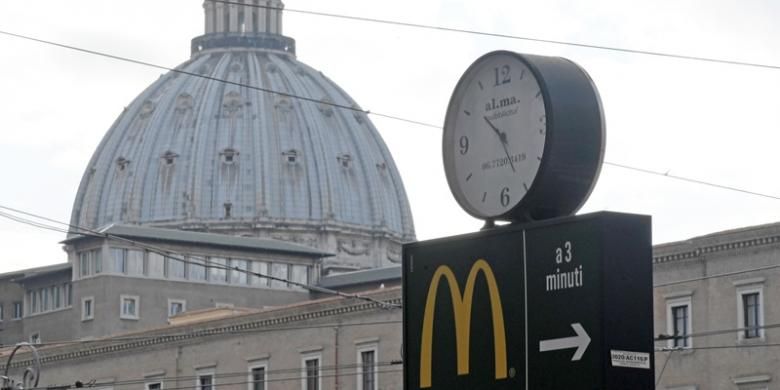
[(580, 341)]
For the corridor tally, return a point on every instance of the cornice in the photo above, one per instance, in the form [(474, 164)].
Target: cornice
[(239, 327), (715, 248)]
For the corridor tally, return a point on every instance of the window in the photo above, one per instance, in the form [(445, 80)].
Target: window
[(238, 277), (156, 266), (367, 368), (84, 264), (32, 297), (750, 312), (68, 294), (135, 262), (205, 382), (176, 306), (678, 312), (311, 373), (18, 311), (129, 307), (56, 292), (119, 260), (154, 386), (44, 293), (217, 270), (97, 261), (197, 271), (176, 269), (257, 377), (680, 325), (35, 338), (279, 270), (261, 268), (87, 308), (300, 274)]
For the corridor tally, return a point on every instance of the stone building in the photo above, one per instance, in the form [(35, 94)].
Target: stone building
[(243, 161), (718, 294), (332, 343)]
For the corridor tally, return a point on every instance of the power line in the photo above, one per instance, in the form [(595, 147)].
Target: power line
[(661, 375), (223, 375), (508, 36), (689, 180), (737, 346), (714, 332), (121, 339), (207, 265), (217, 384), (180, 71), (721, 275), (367, 112)]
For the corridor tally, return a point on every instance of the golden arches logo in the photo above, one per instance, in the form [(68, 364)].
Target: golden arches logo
[(461, 307)]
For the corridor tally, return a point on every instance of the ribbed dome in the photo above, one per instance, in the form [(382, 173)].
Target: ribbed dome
[(199, 154)]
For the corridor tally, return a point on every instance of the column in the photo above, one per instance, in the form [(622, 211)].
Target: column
[(233, 18), (262, 16), (210, 11), (220, 25), (249, 16)]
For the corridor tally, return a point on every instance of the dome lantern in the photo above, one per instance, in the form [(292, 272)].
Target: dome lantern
[(243, 23)]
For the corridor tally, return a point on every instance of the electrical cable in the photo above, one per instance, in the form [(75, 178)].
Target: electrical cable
[(721, 275), (737, 346), (144, 63), (689, 180), (661, 375), (508, 36), (273, 328), (184, 72), (216, 384), (715, 332), (169, 254)]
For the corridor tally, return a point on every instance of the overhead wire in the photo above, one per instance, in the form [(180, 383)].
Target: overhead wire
[(367, 112), (303, 376), (720, 275), (211, 78), (232, 374), (715, 332), (208, 265), (508, 36), (163, 336)]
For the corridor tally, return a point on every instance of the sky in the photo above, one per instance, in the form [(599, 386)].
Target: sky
[(707, 121)]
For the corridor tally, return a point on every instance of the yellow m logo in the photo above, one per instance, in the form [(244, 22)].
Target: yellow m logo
[(461, 307)]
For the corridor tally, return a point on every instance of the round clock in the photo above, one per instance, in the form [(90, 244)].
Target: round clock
[(523, 137)]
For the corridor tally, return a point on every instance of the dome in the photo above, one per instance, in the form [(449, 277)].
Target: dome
[(273, 152)]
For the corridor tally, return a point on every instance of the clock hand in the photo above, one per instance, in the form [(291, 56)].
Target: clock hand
[(502, 138)]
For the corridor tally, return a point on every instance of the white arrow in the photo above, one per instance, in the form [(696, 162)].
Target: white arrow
[(580, 341)]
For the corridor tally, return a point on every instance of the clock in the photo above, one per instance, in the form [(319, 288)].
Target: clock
[(523, 137)]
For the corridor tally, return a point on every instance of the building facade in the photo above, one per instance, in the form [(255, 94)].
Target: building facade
[(333, 343), (719, 295)]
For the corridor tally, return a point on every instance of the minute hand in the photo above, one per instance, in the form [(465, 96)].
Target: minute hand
[(502, 138)]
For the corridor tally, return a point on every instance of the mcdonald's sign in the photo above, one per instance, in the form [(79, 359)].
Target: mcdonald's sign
[(561, 305), (461, 307)]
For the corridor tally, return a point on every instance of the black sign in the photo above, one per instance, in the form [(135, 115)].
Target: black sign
[(562, 304)]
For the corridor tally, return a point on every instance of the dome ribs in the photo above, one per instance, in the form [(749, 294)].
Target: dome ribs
[(199, 154)]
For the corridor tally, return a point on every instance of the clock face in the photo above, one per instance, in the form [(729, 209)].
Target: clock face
[(494, 135)]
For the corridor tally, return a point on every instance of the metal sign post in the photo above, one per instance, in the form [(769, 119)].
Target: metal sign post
[(561, 304), (30, 376)]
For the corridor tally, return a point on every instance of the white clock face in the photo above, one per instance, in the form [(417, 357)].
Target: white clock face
[(494, 135)]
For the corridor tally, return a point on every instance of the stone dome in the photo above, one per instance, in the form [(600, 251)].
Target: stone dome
[(196, 153)]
